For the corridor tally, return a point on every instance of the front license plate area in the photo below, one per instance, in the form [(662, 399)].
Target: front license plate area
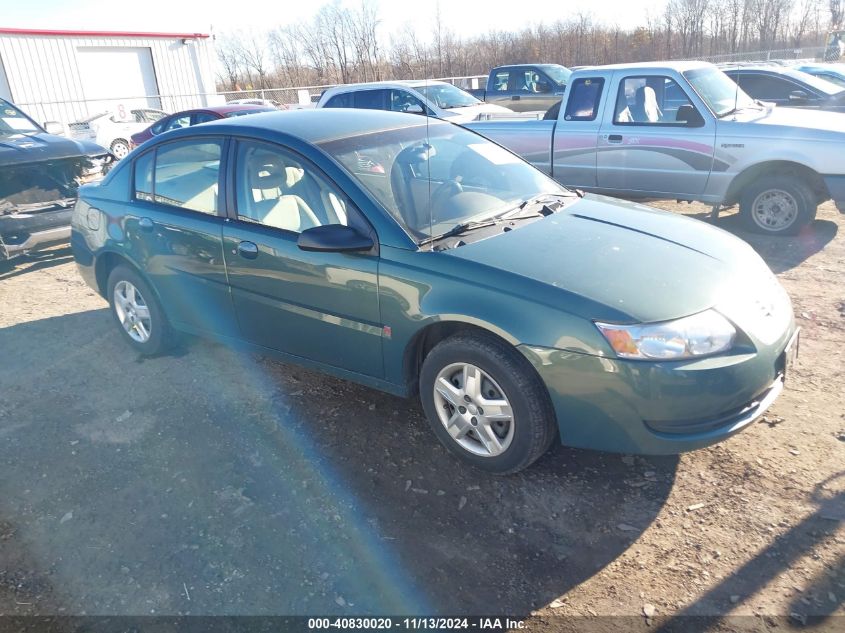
[(790, 355)]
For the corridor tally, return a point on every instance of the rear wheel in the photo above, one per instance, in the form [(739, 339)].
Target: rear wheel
[(137, 312), (777, 205), (486, 404), (120, 148)]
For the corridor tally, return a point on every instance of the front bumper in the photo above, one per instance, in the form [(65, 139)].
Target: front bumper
[(20, 233), (657, 408)]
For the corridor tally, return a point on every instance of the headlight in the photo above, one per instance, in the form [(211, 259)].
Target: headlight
[(698, 335)]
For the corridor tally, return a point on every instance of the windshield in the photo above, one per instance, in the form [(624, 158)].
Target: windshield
[(558, 74), (13, 121), (822, 85), (447, 96), (721, 94), (432, 178)]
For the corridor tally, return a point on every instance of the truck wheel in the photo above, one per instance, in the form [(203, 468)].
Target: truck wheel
[(777, 205), (137, 312), (486, 404)]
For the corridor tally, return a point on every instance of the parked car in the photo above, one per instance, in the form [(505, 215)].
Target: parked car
[(787, 87), (187, 118), (517, 310), (834, 73), (270, 103), (40, 173), (432, 98), (108, 129), (683, 130), (525, 87)]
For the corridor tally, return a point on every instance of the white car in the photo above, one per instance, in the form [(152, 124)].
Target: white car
[(263, 102), (109, 130), (434, 98)]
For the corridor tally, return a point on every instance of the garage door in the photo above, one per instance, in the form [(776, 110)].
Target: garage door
[(113, 75)]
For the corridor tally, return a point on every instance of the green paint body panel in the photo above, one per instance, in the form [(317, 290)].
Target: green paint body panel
[(540, 287)]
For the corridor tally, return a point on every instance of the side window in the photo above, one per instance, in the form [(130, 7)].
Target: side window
[(203, 117), (187, 173), (764, 87), (651, 100), (158, 128), (404, 101), (529, 81), (179, 122), (144, 176), (583, 101), (500, 80), (276, 189), (371, 99), (340, 101)]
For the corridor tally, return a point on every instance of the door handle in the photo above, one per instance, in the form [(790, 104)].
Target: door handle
[(248, 250), (515, 98), (145, 224), (614, 138)]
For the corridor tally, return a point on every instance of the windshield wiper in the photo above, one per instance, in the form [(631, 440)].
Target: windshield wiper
[(460, 229), (548, 202)]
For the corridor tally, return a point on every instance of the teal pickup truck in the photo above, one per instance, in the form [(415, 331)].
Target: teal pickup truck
[(525, 87)]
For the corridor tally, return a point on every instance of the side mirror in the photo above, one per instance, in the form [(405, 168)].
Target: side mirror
[(798, 96), (689, 116), (333, 238), (544, 87), (54, 127), (414, 108)]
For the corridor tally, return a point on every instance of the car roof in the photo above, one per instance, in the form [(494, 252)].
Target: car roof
[(680, 66), (397, 83), (317, 126)]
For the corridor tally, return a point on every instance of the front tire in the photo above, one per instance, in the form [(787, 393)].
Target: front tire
[(486, 404), (119, 148), (777, 205), (137, 312)]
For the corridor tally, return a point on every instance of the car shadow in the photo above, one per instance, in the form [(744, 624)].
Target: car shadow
[(34, 261), (780, 253), (218, 482)]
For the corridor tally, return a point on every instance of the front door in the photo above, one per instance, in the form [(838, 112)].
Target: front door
[(646, 145), (318, 306), (174, 231)]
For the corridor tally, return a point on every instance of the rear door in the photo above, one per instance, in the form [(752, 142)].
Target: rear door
[(318, 306), (174, 231), (577, 131), (642, 147)]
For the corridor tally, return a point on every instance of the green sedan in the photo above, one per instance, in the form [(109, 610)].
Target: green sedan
[(416, 257)]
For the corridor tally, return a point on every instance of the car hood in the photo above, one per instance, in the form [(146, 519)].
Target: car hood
[(469, 113), (639, 264), (803, 123), (26, 148)]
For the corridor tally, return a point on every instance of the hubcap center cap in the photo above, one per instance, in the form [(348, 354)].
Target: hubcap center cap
[(472, 409)]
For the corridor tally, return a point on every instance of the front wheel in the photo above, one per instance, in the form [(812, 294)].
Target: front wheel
[(486, 404), (137, 312), (119, 148), (777, 205)]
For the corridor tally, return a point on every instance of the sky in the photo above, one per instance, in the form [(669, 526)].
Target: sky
[(220, 16)]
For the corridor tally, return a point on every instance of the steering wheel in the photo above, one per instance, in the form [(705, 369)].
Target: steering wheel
[(445, 191)]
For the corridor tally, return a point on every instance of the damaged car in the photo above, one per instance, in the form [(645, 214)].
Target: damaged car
[(40, 173)]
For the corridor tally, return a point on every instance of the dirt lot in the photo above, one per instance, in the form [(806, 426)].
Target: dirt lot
[(211, 482)]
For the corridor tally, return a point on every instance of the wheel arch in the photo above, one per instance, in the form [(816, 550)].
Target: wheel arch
[(424, 340), (776, 167), (107, 261)]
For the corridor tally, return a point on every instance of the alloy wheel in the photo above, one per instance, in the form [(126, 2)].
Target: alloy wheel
[(132, 311)]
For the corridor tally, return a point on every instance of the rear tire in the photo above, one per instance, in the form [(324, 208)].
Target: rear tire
[(119, 148), (486, 404), (137, 312), (777, 205)]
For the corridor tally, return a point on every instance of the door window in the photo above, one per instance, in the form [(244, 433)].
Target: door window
[(500, 80), (404, 101), (371, 99), (144, 176), (276, 189), (765, 87), (186, 175), (650, 100), (203, 117), (340, 101), (179, 122), (584, 97)]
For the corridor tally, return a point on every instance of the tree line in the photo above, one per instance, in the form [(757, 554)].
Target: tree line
[(342, 44)]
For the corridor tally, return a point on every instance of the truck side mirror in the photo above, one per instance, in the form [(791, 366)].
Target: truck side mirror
[(689, 116)]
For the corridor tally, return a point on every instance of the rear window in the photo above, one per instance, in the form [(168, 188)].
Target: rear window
[(584, 97), (343, 100)]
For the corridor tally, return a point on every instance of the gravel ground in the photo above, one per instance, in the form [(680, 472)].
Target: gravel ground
[(212, 482)]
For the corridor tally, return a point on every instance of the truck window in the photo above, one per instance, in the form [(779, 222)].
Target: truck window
[(650, 100), (500, 80), (343, 100), (584, 97), (371, 99)]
